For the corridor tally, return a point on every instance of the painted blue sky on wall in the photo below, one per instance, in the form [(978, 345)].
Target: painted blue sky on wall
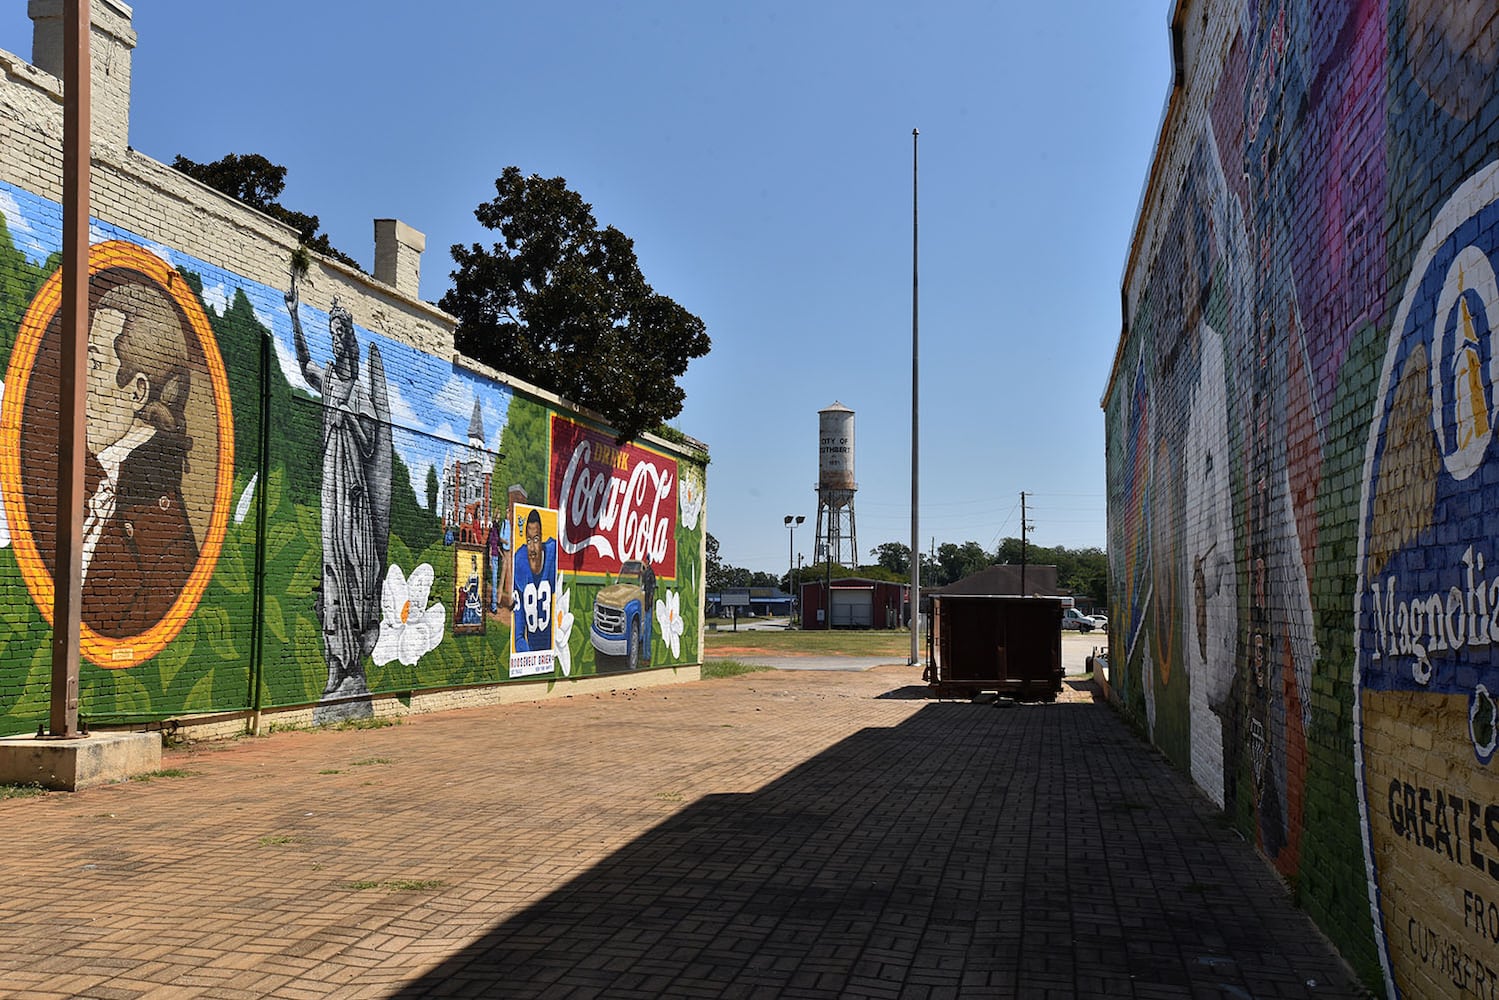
[(431, 407)]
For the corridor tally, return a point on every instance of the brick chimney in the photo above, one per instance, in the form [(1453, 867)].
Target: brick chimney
[(110, 45), (398, 256)]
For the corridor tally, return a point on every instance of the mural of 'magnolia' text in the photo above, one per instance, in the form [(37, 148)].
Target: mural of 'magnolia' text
[(1303, 482)]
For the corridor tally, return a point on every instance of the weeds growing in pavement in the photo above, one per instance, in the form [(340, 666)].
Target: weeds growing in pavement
[(21, 791)]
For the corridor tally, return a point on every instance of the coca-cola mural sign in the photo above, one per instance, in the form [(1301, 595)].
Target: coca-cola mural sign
[(616, 502)]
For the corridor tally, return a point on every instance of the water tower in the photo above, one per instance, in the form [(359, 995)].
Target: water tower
[(836, 486)]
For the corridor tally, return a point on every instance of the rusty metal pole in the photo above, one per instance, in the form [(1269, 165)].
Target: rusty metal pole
[(67, 594)]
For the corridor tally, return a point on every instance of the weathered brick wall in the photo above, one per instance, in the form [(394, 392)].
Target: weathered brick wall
[(299, 494), (1303, 493)]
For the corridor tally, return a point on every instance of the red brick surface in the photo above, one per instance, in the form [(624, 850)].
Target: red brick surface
[(776, 834)]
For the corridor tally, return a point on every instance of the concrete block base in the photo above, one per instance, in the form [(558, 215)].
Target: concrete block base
[(70, 765)]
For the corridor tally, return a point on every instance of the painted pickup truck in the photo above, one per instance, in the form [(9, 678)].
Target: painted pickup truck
[(621, 632)]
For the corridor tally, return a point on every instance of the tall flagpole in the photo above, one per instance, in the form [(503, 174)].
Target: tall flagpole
[(915, 427)]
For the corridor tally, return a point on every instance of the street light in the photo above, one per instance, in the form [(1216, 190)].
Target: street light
[(792, 520)]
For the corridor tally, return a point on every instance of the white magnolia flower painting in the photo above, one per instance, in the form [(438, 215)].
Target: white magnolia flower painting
[(690, 498), (409, 629), (669, 617), (564, 626)]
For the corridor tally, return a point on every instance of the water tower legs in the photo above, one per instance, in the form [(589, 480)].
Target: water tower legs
[(836, 540)]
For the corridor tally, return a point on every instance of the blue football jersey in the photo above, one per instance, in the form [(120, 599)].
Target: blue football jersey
[(533, 598)]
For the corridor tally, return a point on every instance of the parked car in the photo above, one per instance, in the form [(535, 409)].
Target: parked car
[(1074, 619), (1100, 621)]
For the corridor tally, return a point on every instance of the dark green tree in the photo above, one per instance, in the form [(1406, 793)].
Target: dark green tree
[(715, 568), (20, 280), (1083, 572), (894, 557), (875, 571), (957, 561), (432, 488), (524, 452), (1089, 575), (258, 182), (416, 527), (814, 572), (562, 303), (239, 334)]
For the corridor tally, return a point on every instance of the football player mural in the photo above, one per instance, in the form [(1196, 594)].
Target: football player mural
[(534, 590)]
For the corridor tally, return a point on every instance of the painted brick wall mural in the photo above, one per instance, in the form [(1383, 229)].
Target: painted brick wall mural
[(1303, 478), (299, 496)]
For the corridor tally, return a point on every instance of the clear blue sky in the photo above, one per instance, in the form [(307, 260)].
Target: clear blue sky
[(759, 155)]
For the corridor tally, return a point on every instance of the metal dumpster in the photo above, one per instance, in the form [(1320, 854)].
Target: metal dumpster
[(1009, 645)]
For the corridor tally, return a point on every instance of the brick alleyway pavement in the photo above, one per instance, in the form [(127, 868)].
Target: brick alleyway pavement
[(777, 834)]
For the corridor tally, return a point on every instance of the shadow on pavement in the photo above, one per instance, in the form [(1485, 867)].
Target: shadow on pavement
[(964, 851), (911, 692)]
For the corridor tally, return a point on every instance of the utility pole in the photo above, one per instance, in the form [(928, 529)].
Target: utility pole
[(1023, 527)]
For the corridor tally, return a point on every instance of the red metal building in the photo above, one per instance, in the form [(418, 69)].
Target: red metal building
[(855, 602)]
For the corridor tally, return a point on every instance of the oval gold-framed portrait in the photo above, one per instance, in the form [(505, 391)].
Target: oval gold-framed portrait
[(159, 464)]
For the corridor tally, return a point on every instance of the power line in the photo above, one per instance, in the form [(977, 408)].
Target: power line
[(1003, 524)]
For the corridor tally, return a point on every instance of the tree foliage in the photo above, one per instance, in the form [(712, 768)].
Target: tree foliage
[(1082, 572), (894, 557), (258, 182), (416, 525), (874, 571), (562, 303), (525, 450), (957, 561), (714, 569), (20, 279)]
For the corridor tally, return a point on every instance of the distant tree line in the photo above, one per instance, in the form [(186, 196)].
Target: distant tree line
[(1082, 572)]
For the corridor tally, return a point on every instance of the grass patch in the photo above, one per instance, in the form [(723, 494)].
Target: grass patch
[(823, 642), (729, 668), (397, 884), (166, 772), (331, 770), (371, 760), (21, 791), (375, 723), (276, 840)]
